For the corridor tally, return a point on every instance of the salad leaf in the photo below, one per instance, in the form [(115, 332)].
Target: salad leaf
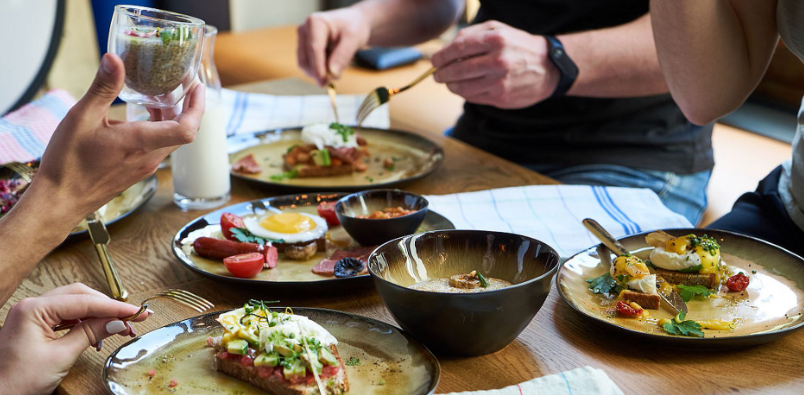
[(681, 327), (694, 269), (690, 291), (243, 235), (286, 175), (605, 284)]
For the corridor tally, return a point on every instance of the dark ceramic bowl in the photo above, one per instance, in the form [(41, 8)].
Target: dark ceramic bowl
[(464, 324), (372, 232)]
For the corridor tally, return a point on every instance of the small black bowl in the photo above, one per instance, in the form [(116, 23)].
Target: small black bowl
[(464, 324), (371, 232)]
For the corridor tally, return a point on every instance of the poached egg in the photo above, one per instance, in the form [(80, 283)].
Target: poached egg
[(637, 273), (322, 135), (687, 252), (289, 227)]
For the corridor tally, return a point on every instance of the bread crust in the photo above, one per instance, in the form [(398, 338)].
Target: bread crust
[(276, 386), (708, 280), (647, 301)]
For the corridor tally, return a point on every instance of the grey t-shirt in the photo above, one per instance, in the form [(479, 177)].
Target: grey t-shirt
[(790, 21)]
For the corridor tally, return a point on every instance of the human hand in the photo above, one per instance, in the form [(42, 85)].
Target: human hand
[(329, 40), (495, 64), (35, 359), (91, 159)]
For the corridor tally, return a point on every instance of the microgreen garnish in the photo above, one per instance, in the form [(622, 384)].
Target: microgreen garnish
[(243, 235), (342, 130), (708, 244), (694, 269), (690, 291), (353, 362), (681, 327), (286, 175)]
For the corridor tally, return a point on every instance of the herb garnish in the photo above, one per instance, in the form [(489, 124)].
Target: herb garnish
[(483, 282), (690, 291), (605, 284), (694, 269), (353, 362), (286, 175), (243, 235), (707, 243), (342, 130), (680, 326)]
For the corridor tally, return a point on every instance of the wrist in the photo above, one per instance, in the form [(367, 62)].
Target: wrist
[(50, 208)]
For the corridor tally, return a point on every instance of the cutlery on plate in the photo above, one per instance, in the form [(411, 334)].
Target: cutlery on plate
[(100, 238), (382, 95), (180, 296), (672, 299)]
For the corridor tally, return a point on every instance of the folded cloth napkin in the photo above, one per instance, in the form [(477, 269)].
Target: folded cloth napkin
[(582, 381), (253, 112), (24, 133), (553, 213)]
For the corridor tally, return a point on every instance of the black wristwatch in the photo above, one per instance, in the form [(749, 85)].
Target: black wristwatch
[(566, 67)]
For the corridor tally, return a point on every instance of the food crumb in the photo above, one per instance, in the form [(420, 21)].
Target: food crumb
[(173, 383), (152, 373)]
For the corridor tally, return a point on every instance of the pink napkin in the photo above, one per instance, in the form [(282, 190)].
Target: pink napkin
[(24, 133)]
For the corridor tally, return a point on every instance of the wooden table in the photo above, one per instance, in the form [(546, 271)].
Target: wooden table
[(558, 339)]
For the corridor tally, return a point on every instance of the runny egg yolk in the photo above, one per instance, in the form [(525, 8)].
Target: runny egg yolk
[(288, 223)]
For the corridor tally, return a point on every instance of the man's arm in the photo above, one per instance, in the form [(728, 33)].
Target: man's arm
[(329, 40), (620, 61), (713, 53)]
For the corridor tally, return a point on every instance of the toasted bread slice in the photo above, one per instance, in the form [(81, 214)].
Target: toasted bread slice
[(647, 301), (309, 171), (708, 280), (276, 385)]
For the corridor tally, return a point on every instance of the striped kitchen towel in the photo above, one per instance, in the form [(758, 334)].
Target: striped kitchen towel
[(553, 213), (582, 381), (254, 112), (24, 133)]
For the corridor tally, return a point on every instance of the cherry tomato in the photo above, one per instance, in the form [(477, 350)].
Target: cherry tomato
[(229, 221), (245, 265), (626, 310), (326, 210), (737, 282)]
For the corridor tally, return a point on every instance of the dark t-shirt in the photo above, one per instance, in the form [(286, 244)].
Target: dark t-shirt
[(644, 132)]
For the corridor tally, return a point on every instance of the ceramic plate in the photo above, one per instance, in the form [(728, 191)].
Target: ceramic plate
[(391, 362), (770, 307), (288, 273), (121, 206), (414, 156)]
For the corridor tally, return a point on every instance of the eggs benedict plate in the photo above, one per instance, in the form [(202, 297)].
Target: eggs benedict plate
[(739, 290), (287, 241)]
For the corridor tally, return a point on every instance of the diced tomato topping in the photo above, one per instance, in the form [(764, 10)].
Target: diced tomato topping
[(229, 221), (245, 265), (326, 210), (329, 371), (224, 355), (246, 361), (173, 383), (626, 310), (265, 371), (152, 373), (738, 282), (308, 379), (271, 256)]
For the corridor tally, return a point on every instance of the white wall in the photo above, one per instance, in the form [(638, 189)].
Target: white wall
[(254, 14)]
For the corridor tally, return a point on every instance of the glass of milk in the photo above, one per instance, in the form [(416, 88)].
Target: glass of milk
[(201, 168)]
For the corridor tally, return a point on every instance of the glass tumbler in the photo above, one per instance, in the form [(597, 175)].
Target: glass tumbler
[(161, 51)]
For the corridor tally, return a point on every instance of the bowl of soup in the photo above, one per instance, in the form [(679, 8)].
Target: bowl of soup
[(464, 292), (376, 216)]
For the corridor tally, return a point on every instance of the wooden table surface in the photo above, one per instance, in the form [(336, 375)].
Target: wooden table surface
[(558, 339)]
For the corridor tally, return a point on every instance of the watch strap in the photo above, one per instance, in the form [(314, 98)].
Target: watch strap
[(568, 70)]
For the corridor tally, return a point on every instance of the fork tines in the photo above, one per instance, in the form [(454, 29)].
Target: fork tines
[(187, 298), (370, 103)]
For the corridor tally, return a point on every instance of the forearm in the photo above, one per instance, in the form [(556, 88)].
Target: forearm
[(39, 222), (713, 53), (408, 22), (616, 62)]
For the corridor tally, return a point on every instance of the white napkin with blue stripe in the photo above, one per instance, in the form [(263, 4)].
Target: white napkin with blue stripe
[(255, 112), (553, 213), (582, 381)]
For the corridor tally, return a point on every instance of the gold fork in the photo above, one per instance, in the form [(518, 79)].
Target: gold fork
[(382, 95), (332, 96), (180, 296)]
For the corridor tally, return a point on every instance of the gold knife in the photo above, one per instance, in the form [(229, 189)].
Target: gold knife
[(332, 96), (672, 300), (100, 237)]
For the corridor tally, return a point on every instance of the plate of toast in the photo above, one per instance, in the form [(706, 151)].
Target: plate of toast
[(332, 157)]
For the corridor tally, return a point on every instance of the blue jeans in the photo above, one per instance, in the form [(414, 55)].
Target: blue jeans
[(684, 194)]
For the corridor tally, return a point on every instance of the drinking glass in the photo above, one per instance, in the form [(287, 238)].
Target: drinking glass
[(201, 169), (161, 51)]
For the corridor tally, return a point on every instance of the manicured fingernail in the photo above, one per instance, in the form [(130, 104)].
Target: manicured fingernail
[(131, 331), (113, 327), (106, 65), (99, 346), (150, 312)]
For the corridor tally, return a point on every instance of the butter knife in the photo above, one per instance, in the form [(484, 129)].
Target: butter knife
[(100, 237), (672, 300)]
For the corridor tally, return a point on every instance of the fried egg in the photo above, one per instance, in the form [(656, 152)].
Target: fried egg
[(289, 227)]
